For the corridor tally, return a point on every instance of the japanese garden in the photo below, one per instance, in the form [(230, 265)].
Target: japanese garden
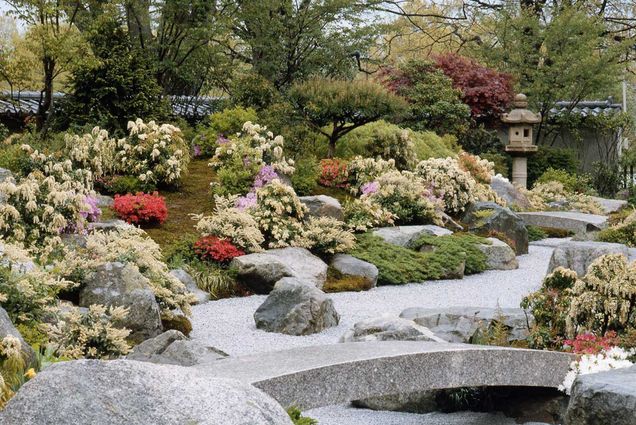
[(317, 212)]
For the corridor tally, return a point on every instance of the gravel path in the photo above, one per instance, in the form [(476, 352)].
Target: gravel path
[(338, 415), (228, 324)]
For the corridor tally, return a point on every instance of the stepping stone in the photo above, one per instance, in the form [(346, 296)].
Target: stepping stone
[(578, 256), (576, 222)]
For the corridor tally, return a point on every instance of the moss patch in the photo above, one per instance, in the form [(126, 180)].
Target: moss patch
[(398, 265), (192, 197), (337, 282)]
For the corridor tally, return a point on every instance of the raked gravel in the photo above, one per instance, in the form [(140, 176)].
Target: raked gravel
[(228, 324)]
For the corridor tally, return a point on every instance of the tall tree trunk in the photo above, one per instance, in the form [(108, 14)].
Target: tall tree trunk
[(45, 108), (332, 145), (138, 21)]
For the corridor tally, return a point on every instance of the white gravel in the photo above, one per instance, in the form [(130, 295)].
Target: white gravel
[(338, 415), (228, 324)]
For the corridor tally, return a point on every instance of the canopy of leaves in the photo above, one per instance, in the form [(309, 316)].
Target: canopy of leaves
[(433, 102)]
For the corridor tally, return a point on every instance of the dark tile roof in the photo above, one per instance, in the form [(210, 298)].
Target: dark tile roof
[(26, 103), (587, 107)]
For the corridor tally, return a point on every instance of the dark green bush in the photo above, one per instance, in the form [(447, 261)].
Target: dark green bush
[(398, 265), (234, 177), (457, 244), (606, 178), (503, 163), (13, 158), (536, 233), (121, 185), (557, 158), (253, 91), (571, 182), (305, 178), (227, 123), (624, 234)]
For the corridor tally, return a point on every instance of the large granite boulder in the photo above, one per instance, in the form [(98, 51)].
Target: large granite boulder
[(123, 392), (295, 307), (610, 205), (6, 175), (581, 224), (605, 398), (509, 193), (490, 219), (462, 324), (578, 256), (499, 256), (173, 347), (388, 328), (122, 285), (347, 265), (323, 206), (7, 329), (405, 235), (190, 285), (260, 271)]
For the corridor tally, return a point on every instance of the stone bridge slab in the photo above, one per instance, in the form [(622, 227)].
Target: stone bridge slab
[(565, 220), (311, 377)]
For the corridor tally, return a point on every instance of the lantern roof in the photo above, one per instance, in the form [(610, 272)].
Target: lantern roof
[(521, 115)]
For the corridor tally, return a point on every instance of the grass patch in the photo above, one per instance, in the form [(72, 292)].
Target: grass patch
[(398, 265)]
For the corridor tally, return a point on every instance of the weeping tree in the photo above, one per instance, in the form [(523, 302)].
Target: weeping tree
[(336, 107)]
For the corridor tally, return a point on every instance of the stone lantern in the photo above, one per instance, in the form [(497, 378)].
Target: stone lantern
[(520, 121)]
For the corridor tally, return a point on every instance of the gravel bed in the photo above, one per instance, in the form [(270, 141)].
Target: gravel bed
[(229, 324), (338, 415)]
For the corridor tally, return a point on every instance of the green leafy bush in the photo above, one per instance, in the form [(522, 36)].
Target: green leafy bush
[(226, 123), (536, 233), (556, 158), (459, 244), (623, 233), (398, 265), (568, 180), (13, 158), (298, 419), (606, 178), (122, 185), (305, 178)]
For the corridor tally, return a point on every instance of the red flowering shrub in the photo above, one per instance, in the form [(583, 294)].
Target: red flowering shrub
[(142, 208), (588, 343), (211, 248), (487, 91), (333, 173)]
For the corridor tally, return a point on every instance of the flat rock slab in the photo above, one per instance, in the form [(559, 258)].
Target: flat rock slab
[(310, 377), (565, 220), (605, 398), (461, 324), (578, 256), (323, 206), (610, 205), (404, 235)]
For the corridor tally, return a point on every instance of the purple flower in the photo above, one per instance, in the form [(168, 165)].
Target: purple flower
[(370, 187), (222, 140), (265, 175), (197, 150), (93, 212), (246, 202)]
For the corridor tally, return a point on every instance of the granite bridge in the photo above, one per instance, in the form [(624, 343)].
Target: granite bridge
[(311, 377)]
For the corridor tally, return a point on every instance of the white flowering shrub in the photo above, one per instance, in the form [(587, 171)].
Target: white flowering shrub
[(154, 153), (279, 214), (94, 151), (364, 170), (614, 358), (12, 368), (27, 291), (231, 223), (327, 236), (38, 208), (91, 335), (405, 196), (364, 214), (449, 182), (63, 171), (552, 195), (131, 245)]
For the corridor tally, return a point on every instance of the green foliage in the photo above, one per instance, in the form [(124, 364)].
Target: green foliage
[(217, 281), (335, 107), (457, 244), (235, 176), (623, 233), (337, 282), (119, 86), (398, 265), (556, 158), (571, 182), (13, 158), (305, 178), (121, 185), (253, 91), (4, 132), (433, 102), (181, 251), (536, 233), (502, 162), (298, 419), (479, 140), (226, 123), (388, 141), (606, 178)]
